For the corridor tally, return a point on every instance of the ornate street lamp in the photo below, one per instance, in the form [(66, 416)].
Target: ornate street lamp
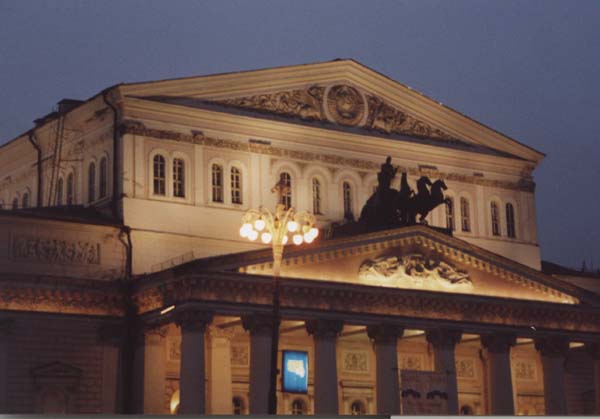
[(278, 229)]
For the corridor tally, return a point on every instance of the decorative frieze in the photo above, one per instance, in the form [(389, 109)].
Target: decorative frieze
[(133, 127), (413, 270), (54, 250)]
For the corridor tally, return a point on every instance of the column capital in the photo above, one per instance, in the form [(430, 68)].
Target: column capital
[(258, 323), (498, 343), (324, 327), (593, 349), (552, 346), (193, 319), (443, 338), (384, 333)]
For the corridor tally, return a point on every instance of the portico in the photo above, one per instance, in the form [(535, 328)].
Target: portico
[(500, 355)]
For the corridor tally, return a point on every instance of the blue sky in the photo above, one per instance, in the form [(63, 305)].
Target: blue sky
[(526, 68)]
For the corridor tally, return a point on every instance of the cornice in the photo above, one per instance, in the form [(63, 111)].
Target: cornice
[(61, 295), (138, 128), (248, 291)]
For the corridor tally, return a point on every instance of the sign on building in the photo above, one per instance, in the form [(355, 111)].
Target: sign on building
[(423, 392), (295, 371)]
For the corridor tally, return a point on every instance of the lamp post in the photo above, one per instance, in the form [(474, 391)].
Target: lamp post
[(275, 228)]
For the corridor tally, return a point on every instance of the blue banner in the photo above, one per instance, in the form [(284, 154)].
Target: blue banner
[(295, 371)]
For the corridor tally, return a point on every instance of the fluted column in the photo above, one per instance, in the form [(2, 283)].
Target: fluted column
[(554, 352), (594, 351), (444, 342), (260, 328), (387, 382), (220, 382), (149, 370), (499, 377), (325, 334), (192, 376)]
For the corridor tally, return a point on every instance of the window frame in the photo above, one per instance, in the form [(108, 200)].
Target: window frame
[(103, 178), (466, 224), (511, 222), (178, 177), (495, 220), (154, 178), (217, 187), (91, 181), (236, 189)]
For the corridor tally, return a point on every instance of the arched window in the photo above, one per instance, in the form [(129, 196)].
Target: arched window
[(286, 196), (316, 195), (357, 408), (347, 191), (450, 214), (217, 183), (510, 221), (238, 406), (298, 407), (159, 166), (60, 191), (92, 182), (179, 178), (236, 186), (25, 200), (70, 189), (465, 215), (103, 177), (495, 218), (15, 203)]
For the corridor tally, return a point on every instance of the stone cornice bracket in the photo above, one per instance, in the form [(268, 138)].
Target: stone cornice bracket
[(443, 338), (385, 333), (498, 343), (593, 349), (258, 323), (111, 334), (552, 346), (322, 328), (193, 319)]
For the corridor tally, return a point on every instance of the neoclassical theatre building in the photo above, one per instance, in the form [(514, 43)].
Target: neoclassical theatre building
[(125, 285)]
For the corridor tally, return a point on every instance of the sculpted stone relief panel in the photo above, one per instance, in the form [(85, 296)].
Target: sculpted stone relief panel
[(414, 271), (54, 250), (411, 361), (355, 361), (465, 368), (525, 369), (174, 348), (341, 104), (240, 355)]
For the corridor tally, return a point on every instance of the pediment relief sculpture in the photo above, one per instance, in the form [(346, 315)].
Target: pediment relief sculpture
[(341, 104), (414, 271)]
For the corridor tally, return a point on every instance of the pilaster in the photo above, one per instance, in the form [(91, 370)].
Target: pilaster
[(149, 370), (220, 392), (111, 337)]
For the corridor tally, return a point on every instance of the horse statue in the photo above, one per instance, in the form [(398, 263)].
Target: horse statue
[(426, 199)]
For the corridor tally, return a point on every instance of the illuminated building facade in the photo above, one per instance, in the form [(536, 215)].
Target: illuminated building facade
[(127, 288)]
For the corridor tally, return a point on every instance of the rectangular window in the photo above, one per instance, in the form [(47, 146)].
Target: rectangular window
[(178, 178), (217, 183), (236, 186)]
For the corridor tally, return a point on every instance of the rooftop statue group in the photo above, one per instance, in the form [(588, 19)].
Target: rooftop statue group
[(389, 208)]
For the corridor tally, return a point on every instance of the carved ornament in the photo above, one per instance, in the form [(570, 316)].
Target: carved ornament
[(443, 338), (54, 250), (345, 105), (498, 343), (324, 328), (552, 346), (414, 271), (355, 361)]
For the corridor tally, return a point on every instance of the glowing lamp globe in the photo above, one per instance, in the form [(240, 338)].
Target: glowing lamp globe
[(292, 226), (266, 238), (245, 229), (297, 239), (259, 224), (253, 235)]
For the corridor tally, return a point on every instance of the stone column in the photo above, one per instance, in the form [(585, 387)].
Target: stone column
[(554, 352), (220, 379), (594, 351), (325, 334), (149, 370), (260, 328), (386, 337), (192, 375), (6, 330), (111, 337), (499, 379), (444, 341)]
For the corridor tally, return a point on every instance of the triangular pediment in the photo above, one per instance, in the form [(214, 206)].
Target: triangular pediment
[(419, 258), (340, 93)]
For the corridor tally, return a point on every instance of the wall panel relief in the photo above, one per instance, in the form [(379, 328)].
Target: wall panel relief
[(240, 355), (355, 361), (408, 361), (54, 250), (465, 368)]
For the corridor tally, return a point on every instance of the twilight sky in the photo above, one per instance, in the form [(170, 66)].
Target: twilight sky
[(529, 69)]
